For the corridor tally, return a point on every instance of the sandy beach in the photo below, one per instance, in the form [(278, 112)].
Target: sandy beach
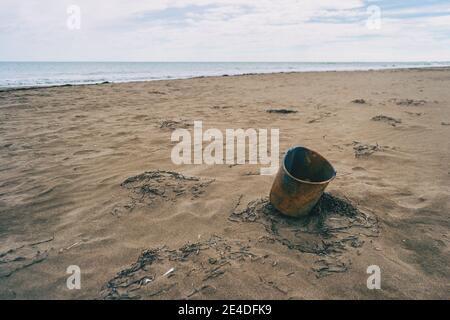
[(86, 179)]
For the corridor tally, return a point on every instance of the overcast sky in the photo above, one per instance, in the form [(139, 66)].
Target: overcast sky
[(225, 30)]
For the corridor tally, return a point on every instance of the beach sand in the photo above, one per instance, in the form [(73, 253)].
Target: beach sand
[(67, 153)]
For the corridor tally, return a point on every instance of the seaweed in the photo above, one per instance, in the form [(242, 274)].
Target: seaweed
[(332, 227), (146, 278), (281, 111), (151, 187)]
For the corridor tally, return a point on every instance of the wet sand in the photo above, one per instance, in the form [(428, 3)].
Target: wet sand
[(73, 189)]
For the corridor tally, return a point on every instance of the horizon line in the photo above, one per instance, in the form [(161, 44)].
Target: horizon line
[(234, 61)]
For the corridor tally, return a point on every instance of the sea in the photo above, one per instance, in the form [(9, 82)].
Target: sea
[(30, 74)]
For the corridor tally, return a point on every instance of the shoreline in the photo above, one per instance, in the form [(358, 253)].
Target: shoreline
[(65, 85)]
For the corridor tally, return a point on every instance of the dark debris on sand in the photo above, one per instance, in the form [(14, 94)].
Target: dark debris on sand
[(365, 150), (186, 272), (281, 111), (359, 101), (409, 102), (158, 185), (392, 121), (333, 227), (23, 256), (174, 124)]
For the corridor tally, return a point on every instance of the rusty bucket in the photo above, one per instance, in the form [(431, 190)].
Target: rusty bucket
[(300, 181)]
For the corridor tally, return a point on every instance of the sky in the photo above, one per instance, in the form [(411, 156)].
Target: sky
[(225, 30)]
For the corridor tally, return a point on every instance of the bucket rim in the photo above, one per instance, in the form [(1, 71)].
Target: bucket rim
[(304, 181)]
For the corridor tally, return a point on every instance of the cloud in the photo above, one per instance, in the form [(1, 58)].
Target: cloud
[(225, 30)]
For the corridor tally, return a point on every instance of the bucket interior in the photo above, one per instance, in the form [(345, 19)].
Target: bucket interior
[(307, 165)]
